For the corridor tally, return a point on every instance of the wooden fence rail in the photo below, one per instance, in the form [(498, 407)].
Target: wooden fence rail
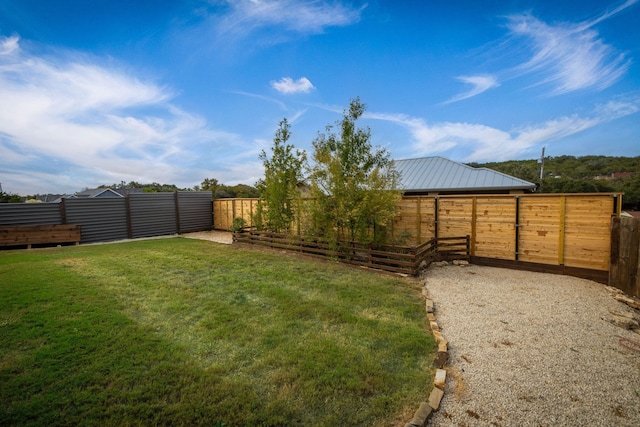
[(396, 259)]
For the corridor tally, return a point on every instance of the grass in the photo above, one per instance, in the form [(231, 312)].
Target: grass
[(184, 332)]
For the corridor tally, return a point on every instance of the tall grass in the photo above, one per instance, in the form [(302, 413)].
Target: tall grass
[(184, 332)]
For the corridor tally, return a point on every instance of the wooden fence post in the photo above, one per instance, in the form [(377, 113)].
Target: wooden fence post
[(562, 229), (624, 270)]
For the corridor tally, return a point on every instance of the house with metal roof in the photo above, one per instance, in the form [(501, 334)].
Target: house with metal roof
[(101, 193), (437, 175)]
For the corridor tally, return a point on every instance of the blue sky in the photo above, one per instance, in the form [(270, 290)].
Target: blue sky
[(98, 92)]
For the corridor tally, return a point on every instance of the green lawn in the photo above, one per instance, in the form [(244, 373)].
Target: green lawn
[(185, 332)]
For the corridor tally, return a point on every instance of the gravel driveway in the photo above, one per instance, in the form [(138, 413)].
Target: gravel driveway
[(533, 349)]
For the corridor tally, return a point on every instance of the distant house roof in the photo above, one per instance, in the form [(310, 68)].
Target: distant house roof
[(440, 175), (107, 192), (52, 198), (98, 193)]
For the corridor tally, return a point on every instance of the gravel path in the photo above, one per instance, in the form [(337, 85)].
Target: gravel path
[(214, 236), (532, 349)]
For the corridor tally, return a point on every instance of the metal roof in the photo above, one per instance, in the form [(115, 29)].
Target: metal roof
[(440, 174)]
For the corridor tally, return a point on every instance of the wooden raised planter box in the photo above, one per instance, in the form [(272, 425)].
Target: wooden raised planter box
[(21, 235)]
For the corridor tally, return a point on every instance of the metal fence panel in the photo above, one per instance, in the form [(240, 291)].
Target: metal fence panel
[(30, 214), (153, 214), (101, 220), (195, 210)]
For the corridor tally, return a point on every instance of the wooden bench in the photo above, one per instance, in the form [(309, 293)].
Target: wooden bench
[(20, 235)]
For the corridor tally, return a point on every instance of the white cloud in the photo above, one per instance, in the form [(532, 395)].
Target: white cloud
[(607, 15), (279, 103), (100, 125), (479, 84), (299, 16), (562, 57), (9, 45), (486, 143), (288, 86), (569, 56)]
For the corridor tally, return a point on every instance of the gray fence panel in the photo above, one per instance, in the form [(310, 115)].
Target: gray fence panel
[(30, 214), (101, 220), (153, 214), (195, 210)]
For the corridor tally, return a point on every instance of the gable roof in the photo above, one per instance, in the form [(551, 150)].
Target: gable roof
[(99, 192), (108, 192), (437, 174)]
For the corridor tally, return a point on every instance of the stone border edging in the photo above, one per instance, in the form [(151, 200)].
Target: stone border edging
[(426, 409)]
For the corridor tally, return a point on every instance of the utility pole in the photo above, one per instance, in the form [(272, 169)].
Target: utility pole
[(542, 164)]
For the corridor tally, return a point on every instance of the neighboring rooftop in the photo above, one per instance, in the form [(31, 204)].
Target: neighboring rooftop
[(107, 192), (440, 175)]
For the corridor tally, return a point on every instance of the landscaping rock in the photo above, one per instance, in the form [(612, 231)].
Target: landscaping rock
[(421, 417), (430, 306), (435, 397), (441, 359), (441, 378), (624, 322), (631, 302), (625, 318)]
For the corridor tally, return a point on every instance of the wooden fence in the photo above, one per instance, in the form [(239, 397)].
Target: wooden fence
[(576, 234), (625, 253), (225, 210), (572, 230), (396, 259)]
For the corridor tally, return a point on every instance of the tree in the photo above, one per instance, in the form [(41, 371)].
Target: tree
[(631, 190), (353, 186), (10, 198), (208, 184), (221, 191), (279, 188)]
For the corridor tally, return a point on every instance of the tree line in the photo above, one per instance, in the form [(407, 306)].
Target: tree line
[(586, 174), (218, 190)]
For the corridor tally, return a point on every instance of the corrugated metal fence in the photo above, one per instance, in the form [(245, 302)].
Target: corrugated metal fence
[(30, 214), (100, 220), (134, 216)]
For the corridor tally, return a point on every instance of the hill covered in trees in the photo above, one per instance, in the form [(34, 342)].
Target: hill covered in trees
[(586, 174)]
